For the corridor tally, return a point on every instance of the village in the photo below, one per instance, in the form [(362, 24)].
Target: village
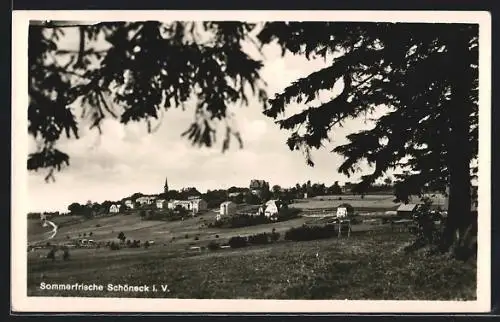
[(342, 210)]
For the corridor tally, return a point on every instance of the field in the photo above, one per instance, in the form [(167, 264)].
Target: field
[(368, 265), (370, 203), (362, 267)]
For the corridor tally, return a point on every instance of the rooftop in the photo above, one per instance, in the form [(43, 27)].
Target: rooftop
[(407, 207)]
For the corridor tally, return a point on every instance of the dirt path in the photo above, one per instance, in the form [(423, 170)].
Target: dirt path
[(54, 229)]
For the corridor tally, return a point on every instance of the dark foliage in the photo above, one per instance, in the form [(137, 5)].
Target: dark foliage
[(240, 220), (163, 60), (66, 255), (213, 245), (237, 242), (305, 233), (52, 254), (275, 236), (259, 239), (122, 237), (114, 246)]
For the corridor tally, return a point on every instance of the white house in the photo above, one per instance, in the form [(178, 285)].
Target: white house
[(227, 208), (129, 203), (195, 205), (114, 209), (199, 205), (145, 200), (160, 203), (341, 212), (271, 208)]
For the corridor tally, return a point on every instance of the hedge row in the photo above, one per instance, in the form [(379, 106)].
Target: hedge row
[(239, 241), (311, 232), (244, 220)]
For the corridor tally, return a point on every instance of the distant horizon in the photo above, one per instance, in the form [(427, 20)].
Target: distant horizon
[(176, 189), (205, 191)]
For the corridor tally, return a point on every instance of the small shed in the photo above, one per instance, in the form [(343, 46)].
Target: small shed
[(227, 208), (406, 210), (341, 212)]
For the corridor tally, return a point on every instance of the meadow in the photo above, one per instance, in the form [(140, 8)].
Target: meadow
[(365, 266), (369, 203), (371, 264)]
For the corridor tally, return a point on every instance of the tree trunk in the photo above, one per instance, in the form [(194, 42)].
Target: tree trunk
[(459, 147)]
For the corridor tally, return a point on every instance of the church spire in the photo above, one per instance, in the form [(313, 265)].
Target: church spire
[(165, 188)]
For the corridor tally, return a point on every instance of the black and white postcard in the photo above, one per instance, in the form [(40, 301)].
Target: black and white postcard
[(264, 161)]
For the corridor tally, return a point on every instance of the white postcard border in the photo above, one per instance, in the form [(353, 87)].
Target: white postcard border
[(20, 302)]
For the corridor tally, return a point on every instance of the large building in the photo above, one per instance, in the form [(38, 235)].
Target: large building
[(114, 209), (145, 200), (130, 204), (257, 186), (160, 203), (271, 209), (194, 205)]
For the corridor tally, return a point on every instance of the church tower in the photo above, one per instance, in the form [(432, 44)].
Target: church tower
[(165, 188)]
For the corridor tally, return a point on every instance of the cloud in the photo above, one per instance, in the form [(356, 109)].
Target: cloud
[(126, 159)]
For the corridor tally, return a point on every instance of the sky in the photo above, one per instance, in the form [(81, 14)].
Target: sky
[(126, 159)]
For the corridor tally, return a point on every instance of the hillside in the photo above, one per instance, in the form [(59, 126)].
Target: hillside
[(362, 267), (107, 228)]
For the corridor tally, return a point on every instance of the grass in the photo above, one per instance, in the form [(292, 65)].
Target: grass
[(368, 203), (366, 266)]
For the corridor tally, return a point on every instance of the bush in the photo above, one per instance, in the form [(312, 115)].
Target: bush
[(275, 236), (240, 220), (288, 213), (213, 245), (52, 254), (98, 225), (114, 246), (186, 236), (146, 244), (311, 232), (259, 239), (135, 244), (216, 236), (424, 227), (237, 242), (196, 238), (356, 220), (66, 254)]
